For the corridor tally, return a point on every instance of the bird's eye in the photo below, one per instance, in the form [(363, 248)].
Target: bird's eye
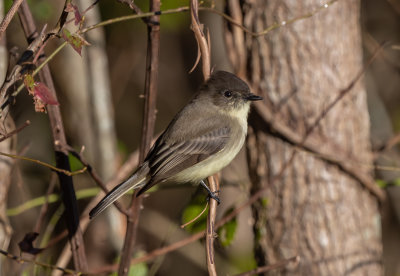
[(228, 93)]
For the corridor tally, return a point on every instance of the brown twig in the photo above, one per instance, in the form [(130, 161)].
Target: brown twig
[(49, 266), (295, 260), (15, 131), (196, 218), (212, 214), (63, 171), (151, 87), (10, 14), (131, 5), (204, 52), (388, 145), (59, 143), (202, 44)]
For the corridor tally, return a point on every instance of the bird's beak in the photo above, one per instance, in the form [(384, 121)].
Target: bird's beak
[(252, 97)]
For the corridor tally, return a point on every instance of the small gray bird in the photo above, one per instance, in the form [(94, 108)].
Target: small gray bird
[(202, 139)]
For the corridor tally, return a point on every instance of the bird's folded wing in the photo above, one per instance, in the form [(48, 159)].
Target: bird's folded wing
[(171, 159)]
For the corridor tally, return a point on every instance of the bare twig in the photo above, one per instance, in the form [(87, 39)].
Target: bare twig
[(204, 51), (63, 171), (22, 260), (292, 261), (131, 4), (196, 218), (151, 86), (197, 28), (10, 14), (388, 145), (15, 131), (212, 214)]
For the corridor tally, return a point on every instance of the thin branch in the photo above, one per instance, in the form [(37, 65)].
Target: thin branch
[(202, 43), (69, 173), (15, 131), (388, 145), (131, 4), (149, 116), (23, 260), (196, 218), (210, 236), (10, 14), (204, 51), (291, 261)]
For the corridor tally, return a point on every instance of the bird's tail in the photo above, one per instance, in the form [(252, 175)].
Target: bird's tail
[(136, 181)]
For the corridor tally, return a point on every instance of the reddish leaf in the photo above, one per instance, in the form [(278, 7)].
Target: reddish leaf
[(42, 92), (73, 8), (74, 40)]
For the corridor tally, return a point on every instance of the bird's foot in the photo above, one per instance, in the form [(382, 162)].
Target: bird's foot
[(213, 195)]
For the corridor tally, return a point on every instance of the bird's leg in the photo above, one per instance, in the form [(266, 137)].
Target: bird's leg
[(210, 193)]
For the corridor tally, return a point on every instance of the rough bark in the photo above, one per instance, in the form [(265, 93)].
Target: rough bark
[(314, 210)]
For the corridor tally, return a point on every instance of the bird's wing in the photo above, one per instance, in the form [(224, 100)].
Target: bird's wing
[(166, 160)]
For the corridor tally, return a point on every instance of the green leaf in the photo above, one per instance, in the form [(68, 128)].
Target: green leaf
[(74, 163), (139, 269), (381, 183), (192, 210), (396, 182), (226, 233)]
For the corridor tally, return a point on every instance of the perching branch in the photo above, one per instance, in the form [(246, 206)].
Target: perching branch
[(204, 52), (210, 234)]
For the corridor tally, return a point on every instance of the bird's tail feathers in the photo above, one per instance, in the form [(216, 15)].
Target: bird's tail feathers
[(135, 181)]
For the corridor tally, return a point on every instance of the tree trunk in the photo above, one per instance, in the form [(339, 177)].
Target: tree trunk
[(314, 209)]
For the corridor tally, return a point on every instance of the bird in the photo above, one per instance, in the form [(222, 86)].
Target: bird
[(202, 138)]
